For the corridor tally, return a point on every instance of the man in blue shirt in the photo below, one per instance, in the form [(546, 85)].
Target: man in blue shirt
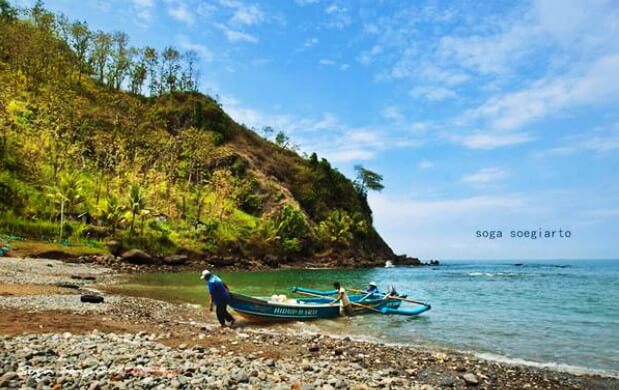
[(219, 296)]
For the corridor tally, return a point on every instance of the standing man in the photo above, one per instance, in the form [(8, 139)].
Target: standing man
[(342, 297), (219, 296)]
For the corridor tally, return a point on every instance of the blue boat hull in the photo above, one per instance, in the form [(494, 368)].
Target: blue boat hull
[(305, 309), (259, 309)]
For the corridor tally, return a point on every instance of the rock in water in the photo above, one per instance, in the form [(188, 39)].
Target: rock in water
[(136, 256), (470, 379)]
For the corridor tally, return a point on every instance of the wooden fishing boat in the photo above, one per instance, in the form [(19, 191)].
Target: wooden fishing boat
[(301, 309), (320, 306)]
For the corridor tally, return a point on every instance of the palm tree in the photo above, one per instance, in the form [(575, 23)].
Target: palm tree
[(67, 193), (137, 203), (113, 212)]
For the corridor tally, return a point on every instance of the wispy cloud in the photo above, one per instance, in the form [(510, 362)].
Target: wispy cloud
[(425, 164), (179, 11), (485, 176), (339, 17), (433, 94), (326, 134), (239, 36), (488, 139), (185, 43), (143, 11), (244, 14)]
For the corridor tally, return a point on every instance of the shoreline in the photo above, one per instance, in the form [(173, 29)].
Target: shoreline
[(246, 357)]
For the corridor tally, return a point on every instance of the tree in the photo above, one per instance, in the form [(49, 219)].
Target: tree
[(151, 59), (7, 12), (222, 185), (112, 213), (337, 228), (282, 140), (189, 78), (67, 193), (367, 180), (100, 55), (136, 203), (139, 71), (169, 70), (79, 39), (120, 62)]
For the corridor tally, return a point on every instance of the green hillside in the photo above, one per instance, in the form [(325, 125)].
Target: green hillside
[(101, 141)]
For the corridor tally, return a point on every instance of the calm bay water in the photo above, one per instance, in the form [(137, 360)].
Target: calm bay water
[(562, 314)]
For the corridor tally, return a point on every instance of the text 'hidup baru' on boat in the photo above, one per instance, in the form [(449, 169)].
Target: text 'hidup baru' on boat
[(320, 305)]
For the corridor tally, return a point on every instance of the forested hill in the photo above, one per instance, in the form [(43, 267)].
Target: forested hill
[(101, 141)]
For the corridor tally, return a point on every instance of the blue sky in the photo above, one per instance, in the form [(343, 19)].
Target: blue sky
[(480, 115)]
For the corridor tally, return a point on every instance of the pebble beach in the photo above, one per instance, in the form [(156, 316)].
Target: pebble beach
[(49, 339)]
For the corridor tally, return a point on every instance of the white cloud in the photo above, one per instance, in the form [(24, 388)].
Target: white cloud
[(600, 140), (431, 93), (239, 36), (369, 56), (248, 15), (425, 164), (143, 11), (180, 12), (339, 17), (326, 134), (344, 67), (327, 62), (393, 113), (309, 42), (485, 176), (547, 96), (400, 210), (185, 43), (489, 140), (244, 14)]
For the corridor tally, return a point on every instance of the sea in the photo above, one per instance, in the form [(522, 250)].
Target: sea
[(558, 314)]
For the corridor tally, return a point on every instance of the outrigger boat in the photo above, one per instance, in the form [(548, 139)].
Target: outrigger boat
[(320, 306)]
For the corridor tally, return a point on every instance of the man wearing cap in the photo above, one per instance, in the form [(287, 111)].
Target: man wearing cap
[(219, 296), (372, 288)]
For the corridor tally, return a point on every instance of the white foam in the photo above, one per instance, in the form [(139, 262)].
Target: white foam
[(577, 370)]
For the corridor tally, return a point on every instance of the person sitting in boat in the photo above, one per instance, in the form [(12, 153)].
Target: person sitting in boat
[(342, 298), (372, 288), (392, 291), (219, 297)]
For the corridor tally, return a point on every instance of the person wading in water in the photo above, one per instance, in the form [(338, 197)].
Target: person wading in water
[(219, 296)]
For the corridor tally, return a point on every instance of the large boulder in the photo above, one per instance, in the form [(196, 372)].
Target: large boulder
[(175, 259), (115, 247), (137, 256), (405, 260)]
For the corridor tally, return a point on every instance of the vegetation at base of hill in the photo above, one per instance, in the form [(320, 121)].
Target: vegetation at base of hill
[(100, 141)]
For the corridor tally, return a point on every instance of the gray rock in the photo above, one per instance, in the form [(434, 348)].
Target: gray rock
[(447, 381), (115, 247), (470, 379), (31, 382), (175, 260), (137, 256)]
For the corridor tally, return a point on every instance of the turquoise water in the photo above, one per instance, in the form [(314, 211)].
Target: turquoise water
[(562, 314)]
